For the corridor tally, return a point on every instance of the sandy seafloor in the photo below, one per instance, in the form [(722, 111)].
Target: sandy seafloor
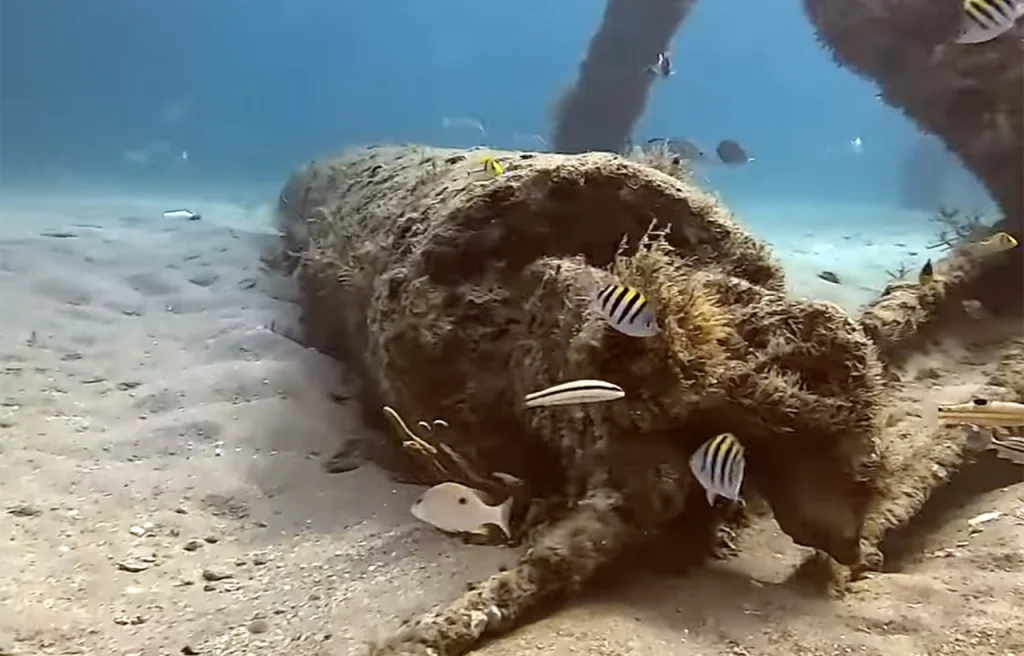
[(163, 490)]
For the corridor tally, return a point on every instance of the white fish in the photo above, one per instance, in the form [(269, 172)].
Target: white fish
[(982, 412), (573, 392), (718, 465), (663, 66), (627, 310), (455, 508), (184, 155), (1008, 448), (984, 20), (187, 215), (857, 145)]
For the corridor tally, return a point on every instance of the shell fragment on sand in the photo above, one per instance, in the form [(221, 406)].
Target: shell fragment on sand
[(182, 215), (573, 392)]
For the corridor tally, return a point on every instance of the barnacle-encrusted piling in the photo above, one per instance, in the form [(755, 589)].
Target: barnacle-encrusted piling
[(601, 109), (454, 293), (967, 94)]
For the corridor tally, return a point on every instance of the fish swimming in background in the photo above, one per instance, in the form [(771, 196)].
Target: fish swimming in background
[(984, 20), (464, 122), (534, 141), (982, 412), (574, 392), (627, 310), (857, 145), (927, 274), (731, 152), (455, 508), (718, 465), (663, 66), (997, 243), (183, 214), (493, 166)]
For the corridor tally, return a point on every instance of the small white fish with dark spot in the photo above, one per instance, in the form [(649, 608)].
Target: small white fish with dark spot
[(718, 465), (455, 508), (575, 392), (627, 310)]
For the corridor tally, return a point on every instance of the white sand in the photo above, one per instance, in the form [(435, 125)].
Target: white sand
[(141, 387), (140, 379), (861, 244)]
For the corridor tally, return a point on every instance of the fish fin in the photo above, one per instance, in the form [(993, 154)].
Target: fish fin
[(505, 516), (711, 498)]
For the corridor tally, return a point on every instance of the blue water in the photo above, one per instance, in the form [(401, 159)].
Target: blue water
[(111, 92)]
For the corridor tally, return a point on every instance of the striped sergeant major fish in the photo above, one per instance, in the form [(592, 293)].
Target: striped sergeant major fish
[(718, 466), (627, 310), (984, 20), (575, 391)]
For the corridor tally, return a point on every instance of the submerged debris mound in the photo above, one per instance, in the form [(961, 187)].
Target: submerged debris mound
[(454, 292)]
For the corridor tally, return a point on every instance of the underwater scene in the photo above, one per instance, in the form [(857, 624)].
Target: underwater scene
[(431, 328)]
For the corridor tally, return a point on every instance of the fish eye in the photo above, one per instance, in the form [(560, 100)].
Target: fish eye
[(462, 500), (980, 402)]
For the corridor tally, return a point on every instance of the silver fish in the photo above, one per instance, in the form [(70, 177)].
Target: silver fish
[(186, 215), (663, 66), (627, 310), (984, 20), (718, 465), (455, 508), (573, 392), (731, 152), (982, 412)]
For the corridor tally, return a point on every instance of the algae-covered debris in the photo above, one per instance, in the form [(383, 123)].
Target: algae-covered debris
[(456, 295)]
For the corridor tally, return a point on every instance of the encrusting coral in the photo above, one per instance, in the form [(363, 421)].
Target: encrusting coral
[(454, 293)]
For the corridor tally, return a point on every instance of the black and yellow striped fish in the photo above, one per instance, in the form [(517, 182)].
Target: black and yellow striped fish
[(627, 310), (718, 465), (984, 20)]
